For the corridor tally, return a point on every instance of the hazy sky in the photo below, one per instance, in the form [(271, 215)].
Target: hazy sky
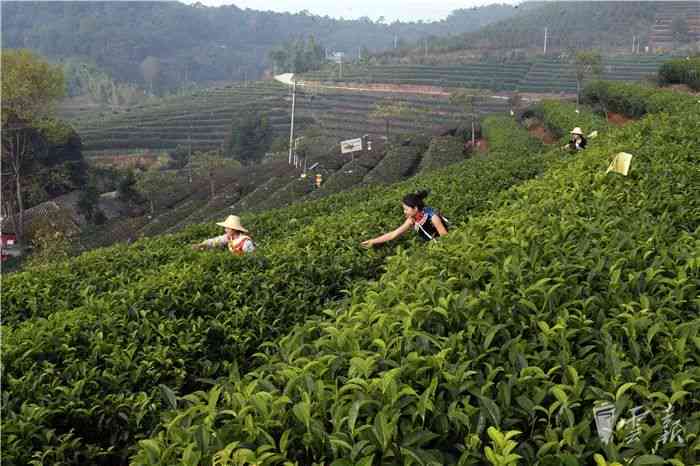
[(403, 10)]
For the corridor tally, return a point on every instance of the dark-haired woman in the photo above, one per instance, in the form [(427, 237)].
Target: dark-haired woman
[(426, 221)]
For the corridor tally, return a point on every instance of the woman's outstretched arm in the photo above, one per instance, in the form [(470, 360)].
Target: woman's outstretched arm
[(405, 226)]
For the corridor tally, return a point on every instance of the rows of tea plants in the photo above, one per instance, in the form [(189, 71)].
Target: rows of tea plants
[(492, 75), (546, 74), (442, 151), (635, 100), (401, 160), (681, 71), (495, 344), (101, 351), (204, 119), (561, 117)]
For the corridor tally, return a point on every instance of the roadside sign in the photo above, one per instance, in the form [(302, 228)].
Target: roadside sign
[(351, 145)]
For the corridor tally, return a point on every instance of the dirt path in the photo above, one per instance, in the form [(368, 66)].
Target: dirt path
[(618, 119), (541, 133), (410, 89)]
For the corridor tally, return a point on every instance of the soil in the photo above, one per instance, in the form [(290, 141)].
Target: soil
[(125, 161), (429, 90), (682, 88), (618, 119), (541, 133)]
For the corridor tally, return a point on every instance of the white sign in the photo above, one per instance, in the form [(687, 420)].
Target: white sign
[(351, 145), (337, 57)]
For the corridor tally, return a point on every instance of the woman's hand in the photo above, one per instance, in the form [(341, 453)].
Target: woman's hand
[(197, 247), (367, 244)]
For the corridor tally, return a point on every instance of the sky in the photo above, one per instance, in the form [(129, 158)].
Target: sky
[(403, 10)]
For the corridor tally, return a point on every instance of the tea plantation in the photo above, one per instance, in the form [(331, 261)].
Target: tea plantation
[(559, 288), (204, 118), (544, 74)]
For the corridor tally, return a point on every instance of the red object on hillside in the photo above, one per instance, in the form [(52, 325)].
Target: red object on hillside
[(6, 240)]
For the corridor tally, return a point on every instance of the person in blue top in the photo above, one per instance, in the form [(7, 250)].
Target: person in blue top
[(425, 221)]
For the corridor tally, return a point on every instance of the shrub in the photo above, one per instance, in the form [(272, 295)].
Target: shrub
[(681, 71)]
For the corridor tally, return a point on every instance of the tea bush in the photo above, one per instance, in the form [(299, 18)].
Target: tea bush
[(562, 117), (635, 100), (95, 349), (681, 71), (578, 288)]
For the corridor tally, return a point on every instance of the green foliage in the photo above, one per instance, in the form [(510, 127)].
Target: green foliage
[(540, 74), (504, 138), (577, 287), (201, 44), (635, 100), (88, 202), (390, 110), (570, 25), (179, 156), (123, 321), (249, 138), (30, 86), (127, 188), (442, 151), (585, 64), (681, 71), (401, 160), (679, 29), (298, 56), (571, 288), (560, 118)]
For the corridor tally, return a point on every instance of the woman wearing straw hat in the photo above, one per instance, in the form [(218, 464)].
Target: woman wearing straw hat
[(236, 238), (577, 141)]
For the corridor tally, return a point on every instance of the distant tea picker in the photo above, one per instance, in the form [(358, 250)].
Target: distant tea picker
[(578, 140), (426, 221), (236, 238)]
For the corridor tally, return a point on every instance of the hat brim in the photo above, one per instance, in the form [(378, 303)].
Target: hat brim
[(233, 227)]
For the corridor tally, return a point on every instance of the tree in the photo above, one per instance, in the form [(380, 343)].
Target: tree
[(585, 64), (126, 189), (298, 56), (153, 183), (88, 202), (468, 99), (179, 157), (388, 110), (679, 29), (209, 165), (30, 87), (249, 138), (150, 68)]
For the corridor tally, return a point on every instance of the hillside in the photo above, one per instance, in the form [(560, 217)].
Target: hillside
[(559, 288), (198, 44), (608, 26), (541, 75), (204, 118)]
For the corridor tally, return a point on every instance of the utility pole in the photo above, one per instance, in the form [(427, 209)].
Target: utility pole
[(396, 41), (189, 154), (545, 41), (291, 127)]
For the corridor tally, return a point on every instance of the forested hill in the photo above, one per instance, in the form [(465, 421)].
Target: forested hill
[(609, 26), (194, 43)]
